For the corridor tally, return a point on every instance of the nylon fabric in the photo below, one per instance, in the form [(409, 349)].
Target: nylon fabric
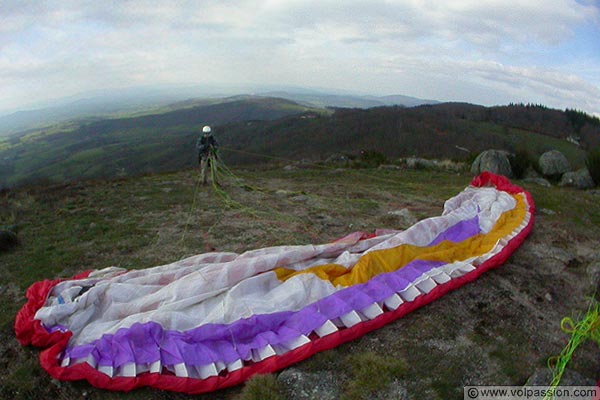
[(213, 320)]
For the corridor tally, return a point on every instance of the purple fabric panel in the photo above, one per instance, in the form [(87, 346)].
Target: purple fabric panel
[(148, 342), (56, 328), (303, 320), (399, 281), (459, 232), (349, 300)]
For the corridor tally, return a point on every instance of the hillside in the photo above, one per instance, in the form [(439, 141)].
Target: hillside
[(448, 130), (125, 146), (256, 129), (496, 330)]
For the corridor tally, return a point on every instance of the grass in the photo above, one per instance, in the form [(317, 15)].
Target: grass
[(261, 387), (157, 219), (371, 373)]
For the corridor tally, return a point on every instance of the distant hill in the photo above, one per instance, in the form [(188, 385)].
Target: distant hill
[(96, 104), (350, 101), (126, 146), (151, 100), (255, 129)]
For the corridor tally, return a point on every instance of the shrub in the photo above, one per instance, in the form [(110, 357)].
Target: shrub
[(369, 159), (471, 159), (8, 240), (261, 387), (520, 161), (371, 373), (593, 164)]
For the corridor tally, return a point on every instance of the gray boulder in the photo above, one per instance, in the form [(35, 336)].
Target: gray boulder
[(494, 161), (553, 163), (421, 163), (337, 159), (593, 272), (538, 181), (580, 179), (405, 216), (300, 385)]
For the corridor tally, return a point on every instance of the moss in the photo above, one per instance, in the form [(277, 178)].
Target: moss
[(371, 373), (261, 387)]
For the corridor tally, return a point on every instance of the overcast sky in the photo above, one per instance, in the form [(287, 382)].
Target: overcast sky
[(479, 51)]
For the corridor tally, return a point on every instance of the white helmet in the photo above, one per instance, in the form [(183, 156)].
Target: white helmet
[(206, 129)]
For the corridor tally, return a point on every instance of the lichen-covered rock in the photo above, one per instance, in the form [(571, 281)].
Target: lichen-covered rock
[(494, 161), (405, 216), (538, 181), (580, 179), (553, 163), (300, 385), (593, 272)]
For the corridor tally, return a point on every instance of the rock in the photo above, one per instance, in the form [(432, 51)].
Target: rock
[(538, 181), (389, 167), (494, 161), (543, 377), (300, 385), (408, 219), (531, 173), (289, 168), (553, 163), (580, 179), (421, 163), (593, 272), (284, 193), (8, 240), (393, 391), (300, 198), (337, 159)]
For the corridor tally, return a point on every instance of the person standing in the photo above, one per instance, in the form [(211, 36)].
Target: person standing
[(207, 153)]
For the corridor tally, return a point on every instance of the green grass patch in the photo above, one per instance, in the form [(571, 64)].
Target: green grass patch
[(261, 387), (370, 374)]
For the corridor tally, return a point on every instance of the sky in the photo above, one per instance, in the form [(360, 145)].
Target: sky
[(488, 52)]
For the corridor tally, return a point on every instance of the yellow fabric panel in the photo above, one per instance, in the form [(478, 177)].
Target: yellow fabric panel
[(327, 272), (388, 260)]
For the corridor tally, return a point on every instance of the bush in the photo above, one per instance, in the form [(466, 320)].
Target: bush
[(371, 373), (520, 161), (369, 159), (471, 159), (261, 387), (8, 240), (593, 164)]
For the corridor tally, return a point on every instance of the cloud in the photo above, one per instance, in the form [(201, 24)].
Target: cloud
[(387, 45)]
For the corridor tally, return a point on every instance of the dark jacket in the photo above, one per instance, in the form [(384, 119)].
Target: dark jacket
[(206, 144)]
